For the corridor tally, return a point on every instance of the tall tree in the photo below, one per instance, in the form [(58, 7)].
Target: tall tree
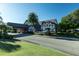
[(70, 21), (3, 27), (33, 18), (75, 15), (65, 23)]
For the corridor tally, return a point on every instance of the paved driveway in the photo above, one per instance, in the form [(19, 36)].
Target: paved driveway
[(71, 47)]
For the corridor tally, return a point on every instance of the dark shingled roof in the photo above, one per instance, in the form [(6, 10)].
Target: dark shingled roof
[(53, 21), (16, 25)]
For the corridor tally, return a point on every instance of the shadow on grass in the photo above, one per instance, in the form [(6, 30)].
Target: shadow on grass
[(9, 47), (9, 40)]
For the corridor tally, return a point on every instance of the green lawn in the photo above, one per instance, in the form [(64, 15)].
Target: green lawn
[(21, 48)]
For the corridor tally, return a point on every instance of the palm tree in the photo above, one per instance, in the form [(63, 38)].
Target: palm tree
[(33, 19)]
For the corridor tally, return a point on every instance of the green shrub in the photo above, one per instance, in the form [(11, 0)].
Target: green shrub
[(7, 36), (30, 32)]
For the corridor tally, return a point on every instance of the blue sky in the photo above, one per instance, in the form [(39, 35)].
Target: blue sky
[(18, 13)]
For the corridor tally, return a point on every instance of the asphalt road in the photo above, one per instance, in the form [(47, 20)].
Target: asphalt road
[(68, 46)]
